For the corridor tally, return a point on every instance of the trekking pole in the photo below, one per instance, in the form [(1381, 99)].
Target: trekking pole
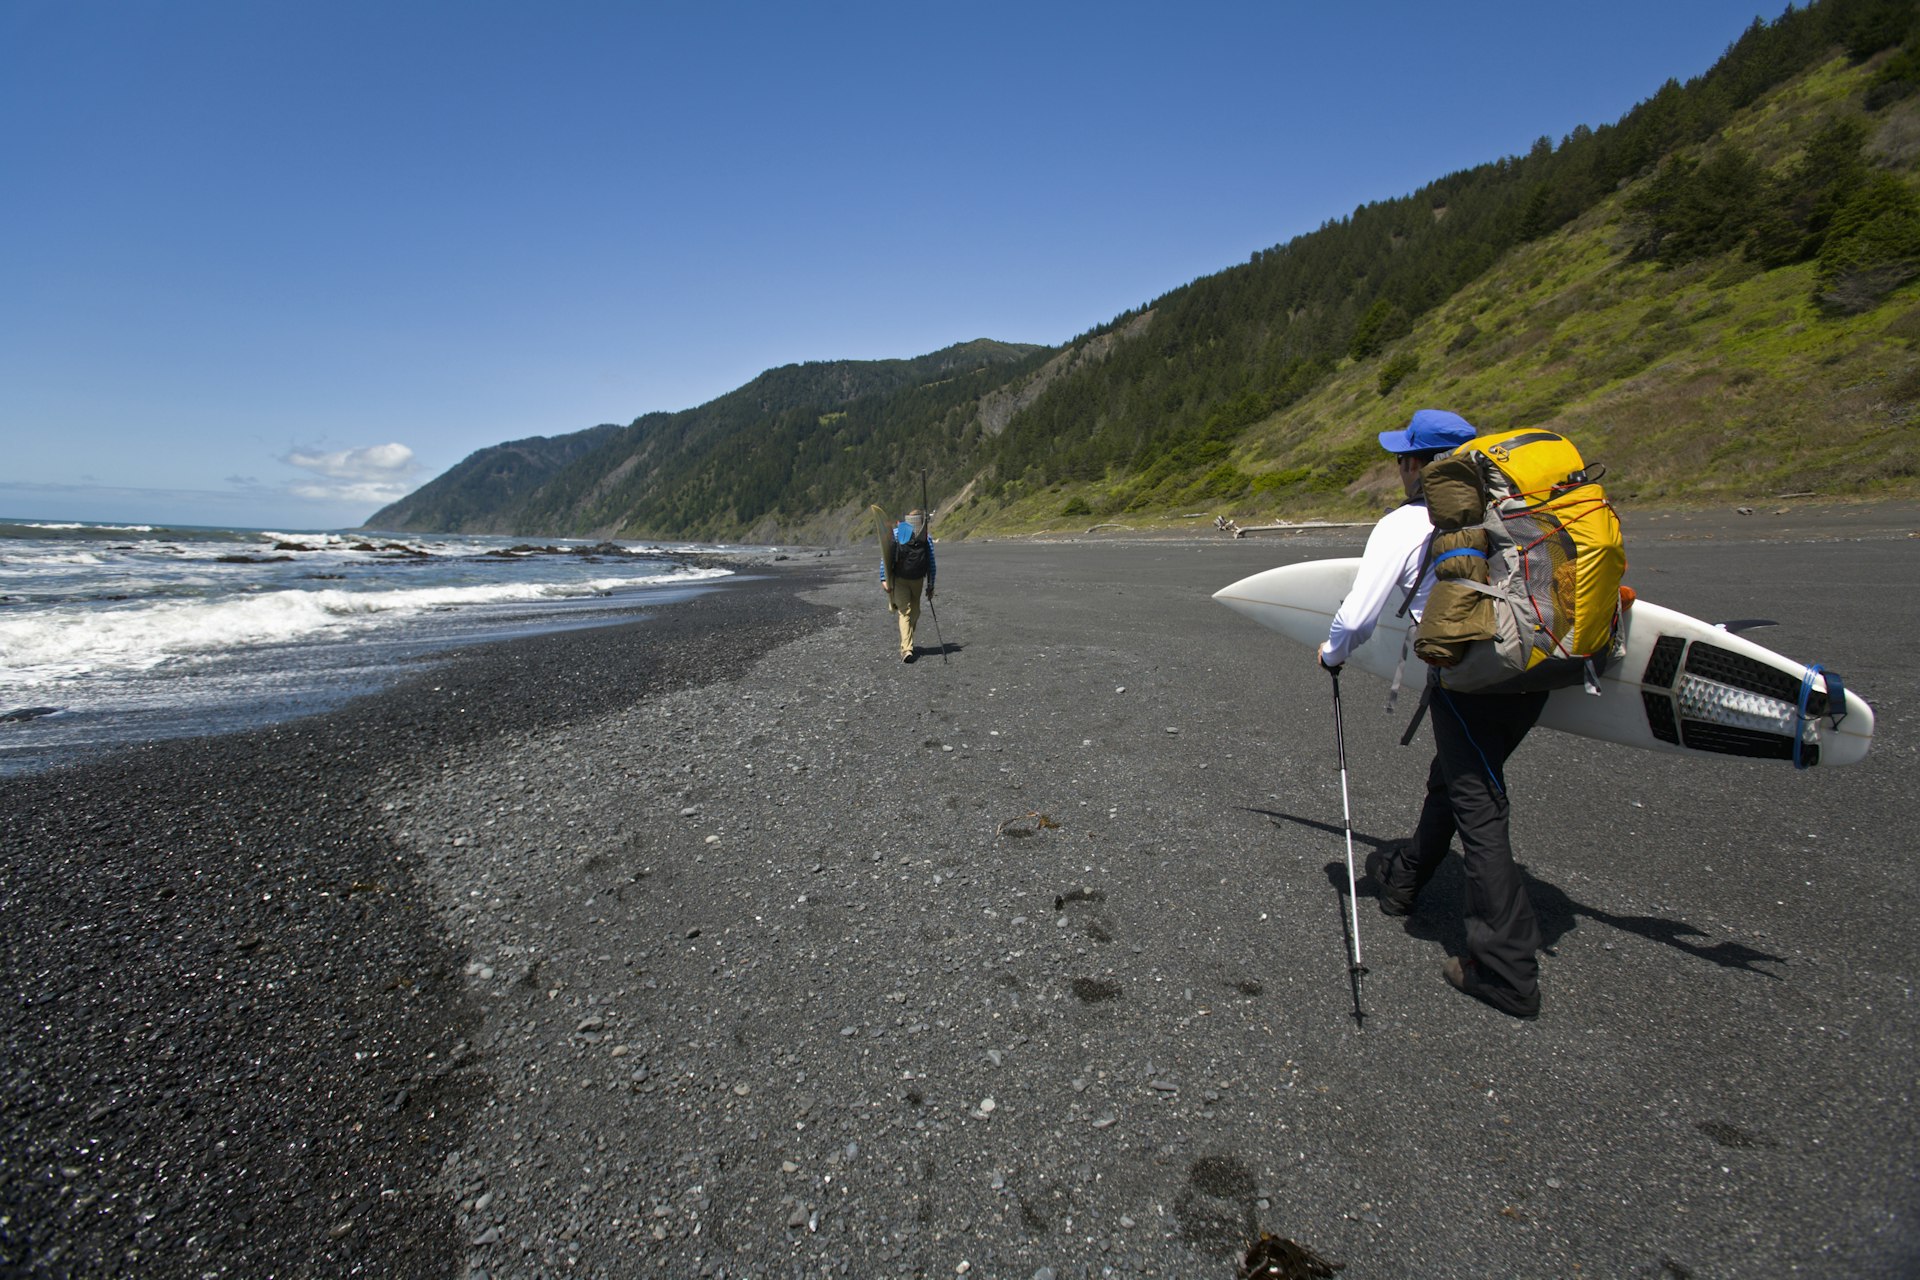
[(926, 516), (1346, 808), (936, 627)]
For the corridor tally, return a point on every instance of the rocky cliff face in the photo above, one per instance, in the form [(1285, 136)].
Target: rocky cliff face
[(999, 408)]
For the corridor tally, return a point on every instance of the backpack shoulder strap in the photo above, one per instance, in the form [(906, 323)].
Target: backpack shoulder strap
[(1426, 563)]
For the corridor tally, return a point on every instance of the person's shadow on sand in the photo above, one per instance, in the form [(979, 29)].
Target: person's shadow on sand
[(1438, 915)]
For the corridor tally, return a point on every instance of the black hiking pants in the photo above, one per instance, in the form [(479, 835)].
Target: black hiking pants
[(1473, 735)]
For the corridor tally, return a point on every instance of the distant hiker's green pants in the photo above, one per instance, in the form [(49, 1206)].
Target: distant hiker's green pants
[(903, 597)]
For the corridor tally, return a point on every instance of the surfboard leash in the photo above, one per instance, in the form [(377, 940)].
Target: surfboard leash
[(1836, 692)]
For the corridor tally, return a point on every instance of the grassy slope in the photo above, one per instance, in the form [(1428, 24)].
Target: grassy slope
[(1711, 383)]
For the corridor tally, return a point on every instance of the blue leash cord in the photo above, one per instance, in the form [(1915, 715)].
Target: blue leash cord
[(1836, 705), (1499, 783)]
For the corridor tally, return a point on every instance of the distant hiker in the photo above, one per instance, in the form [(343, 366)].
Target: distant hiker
[(1473, 734), (905, 569)]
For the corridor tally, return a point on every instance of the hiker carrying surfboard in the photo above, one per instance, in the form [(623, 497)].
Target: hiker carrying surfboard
[(906, 568), (1473, 733)]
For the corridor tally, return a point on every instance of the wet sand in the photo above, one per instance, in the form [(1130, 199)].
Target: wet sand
[(764, 962)]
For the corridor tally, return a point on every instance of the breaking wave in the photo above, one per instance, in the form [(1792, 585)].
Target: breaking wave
[(47, 647)]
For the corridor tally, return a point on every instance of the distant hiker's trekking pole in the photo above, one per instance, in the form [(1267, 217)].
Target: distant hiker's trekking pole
[(936, 627), (926, 516), (1346, 809)]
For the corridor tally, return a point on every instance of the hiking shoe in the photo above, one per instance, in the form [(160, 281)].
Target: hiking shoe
[(1463, 977), (1391, 903)]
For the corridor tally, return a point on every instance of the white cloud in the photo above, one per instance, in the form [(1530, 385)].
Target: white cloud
[(377, 474)]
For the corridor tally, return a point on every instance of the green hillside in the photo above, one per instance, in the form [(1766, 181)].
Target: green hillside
[(1707, 376), (1714, 295)]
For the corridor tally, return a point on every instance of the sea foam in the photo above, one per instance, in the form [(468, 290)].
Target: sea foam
[(60, 644)]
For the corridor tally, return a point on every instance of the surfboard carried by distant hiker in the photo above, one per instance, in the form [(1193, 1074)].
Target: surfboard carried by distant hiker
[(883, 531), (1674, 683)]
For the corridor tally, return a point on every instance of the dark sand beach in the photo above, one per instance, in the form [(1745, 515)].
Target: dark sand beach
[(724, 944)]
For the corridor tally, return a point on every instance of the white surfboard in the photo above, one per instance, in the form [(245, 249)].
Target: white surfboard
[(1675, 683)]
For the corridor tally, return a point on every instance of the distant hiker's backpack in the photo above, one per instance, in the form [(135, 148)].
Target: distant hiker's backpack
[(911, 558), (1527, 559)]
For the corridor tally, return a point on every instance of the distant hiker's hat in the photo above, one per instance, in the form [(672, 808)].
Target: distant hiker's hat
[(1430, 430)]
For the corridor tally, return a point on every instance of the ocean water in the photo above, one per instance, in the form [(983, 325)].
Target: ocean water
[(112, 634)]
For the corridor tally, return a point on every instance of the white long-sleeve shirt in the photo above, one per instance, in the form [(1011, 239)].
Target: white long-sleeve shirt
[(1388, 566)]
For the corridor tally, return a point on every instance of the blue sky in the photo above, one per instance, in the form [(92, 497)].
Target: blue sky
[(273, 264)]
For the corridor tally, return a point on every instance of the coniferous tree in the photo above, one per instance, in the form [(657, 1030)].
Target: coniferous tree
[(1873, 246), (1799, 205)]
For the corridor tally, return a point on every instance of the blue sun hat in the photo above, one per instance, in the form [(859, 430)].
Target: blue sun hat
[(1429, 430)]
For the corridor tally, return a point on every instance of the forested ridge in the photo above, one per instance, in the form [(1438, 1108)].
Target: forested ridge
[(469, 496), (795, 441), (1776, 189)]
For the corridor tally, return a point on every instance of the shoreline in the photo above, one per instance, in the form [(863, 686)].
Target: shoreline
[(768, 966), (271, 672)]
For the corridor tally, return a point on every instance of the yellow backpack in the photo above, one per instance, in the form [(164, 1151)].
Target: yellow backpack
[(1525, 507)]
